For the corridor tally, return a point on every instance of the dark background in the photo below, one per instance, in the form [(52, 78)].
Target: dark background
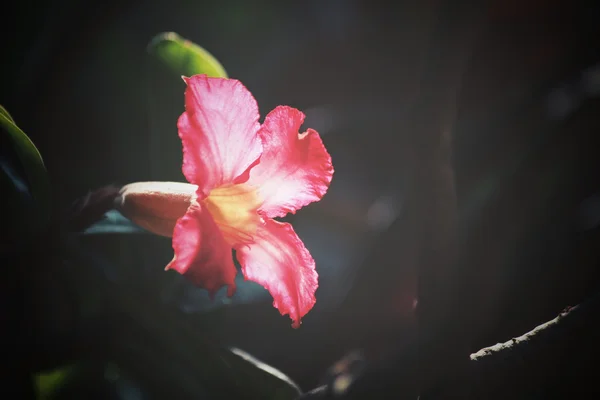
[(77, 78)]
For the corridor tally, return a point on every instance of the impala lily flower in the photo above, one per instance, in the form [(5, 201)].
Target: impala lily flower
[(241, 175)]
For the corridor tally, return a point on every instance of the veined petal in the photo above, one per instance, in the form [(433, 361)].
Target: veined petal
[(294, 169), (201, 252), (219, 132), (279, 261)]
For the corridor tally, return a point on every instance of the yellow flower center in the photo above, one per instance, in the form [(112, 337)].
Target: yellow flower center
[(235, 210)]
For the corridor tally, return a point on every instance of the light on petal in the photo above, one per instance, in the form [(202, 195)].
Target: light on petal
[(219, 132), (234, 209), (295, 169)]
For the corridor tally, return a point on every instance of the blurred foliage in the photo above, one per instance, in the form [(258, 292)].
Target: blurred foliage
[(24, 181), (158, 346), (47, 383), (185, 57), (114, 222)]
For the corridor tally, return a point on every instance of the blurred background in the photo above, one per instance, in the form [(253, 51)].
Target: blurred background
[(78, 79)]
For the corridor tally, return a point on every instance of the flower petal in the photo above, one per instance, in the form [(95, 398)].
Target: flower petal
[(156, 206), (201, 253), (294, 169), (234, 210), (219, 132), (279, 261)]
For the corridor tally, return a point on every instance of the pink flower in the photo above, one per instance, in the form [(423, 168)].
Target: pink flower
[(245, 174)]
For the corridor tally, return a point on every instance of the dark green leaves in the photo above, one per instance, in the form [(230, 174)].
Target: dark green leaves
[(185, 57), (24, 181), (162, 347), (180, 351)]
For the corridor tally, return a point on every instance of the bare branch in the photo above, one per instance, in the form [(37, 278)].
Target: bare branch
[(556, 350), (551, 361)]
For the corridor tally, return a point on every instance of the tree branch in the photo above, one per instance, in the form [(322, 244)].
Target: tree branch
[(553, 354), (550, 361)]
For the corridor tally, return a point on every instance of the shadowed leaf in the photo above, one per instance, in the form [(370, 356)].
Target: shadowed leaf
[(24, 180), (150, 332), (113, 222), (268, 382)]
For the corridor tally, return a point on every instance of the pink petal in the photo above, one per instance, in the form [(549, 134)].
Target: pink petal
[(295, 169), (279, 261), (219, 132), (201, 253)]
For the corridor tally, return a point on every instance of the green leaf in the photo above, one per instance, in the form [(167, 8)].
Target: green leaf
[(113, 222), (185, 57), (4, 112), (48, 382), (24, 178)]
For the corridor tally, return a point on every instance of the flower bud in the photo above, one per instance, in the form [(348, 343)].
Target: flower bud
[(156, 206)]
